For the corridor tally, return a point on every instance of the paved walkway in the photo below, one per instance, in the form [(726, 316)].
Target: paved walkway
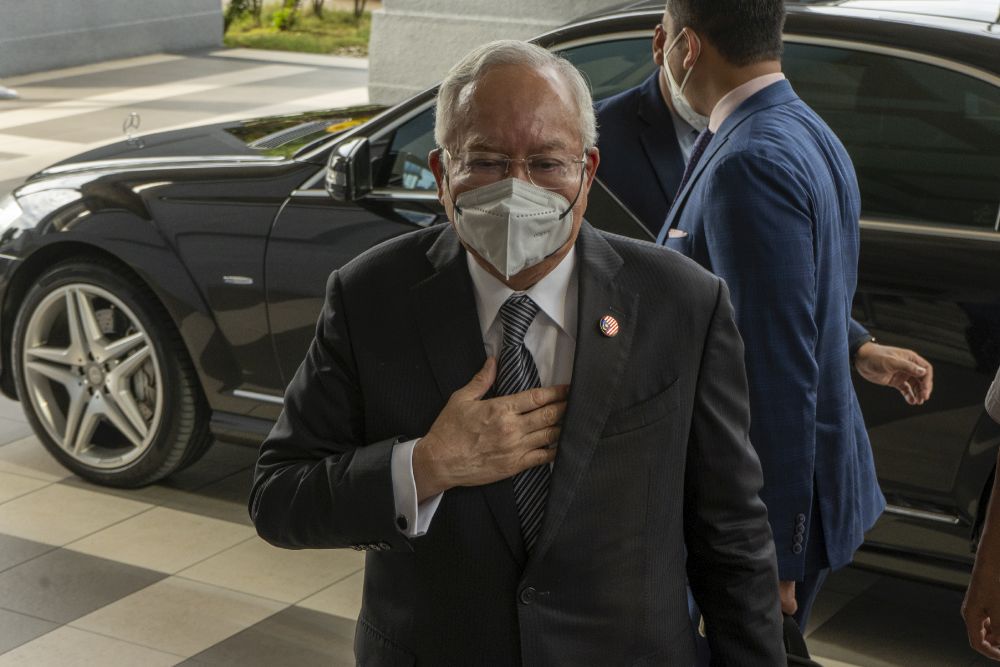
[(64, 112), (174, 573)]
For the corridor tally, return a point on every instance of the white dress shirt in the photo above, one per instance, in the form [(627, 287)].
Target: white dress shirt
[(551, 339)]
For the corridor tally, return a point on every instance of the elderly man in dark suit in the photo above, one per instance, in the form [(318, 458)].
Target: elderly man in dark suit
[(538, 431), (769, 202)]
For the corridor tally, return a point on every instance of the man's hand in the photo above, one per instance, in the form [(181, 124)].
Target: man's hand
[(475, 442), (981, 604), (786, 589), (896, 367)]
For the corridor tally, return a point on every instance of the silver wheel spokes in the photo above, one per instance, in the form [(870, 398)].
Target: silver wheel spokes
[(87, 366)]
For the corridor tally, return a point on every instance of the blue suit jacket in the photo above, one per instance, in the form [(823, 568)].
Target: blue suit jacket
[(641, 161), (773, 208)]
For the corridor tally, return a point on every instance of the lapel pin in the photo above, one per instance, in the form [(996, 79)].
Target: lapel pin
[(609, 326)]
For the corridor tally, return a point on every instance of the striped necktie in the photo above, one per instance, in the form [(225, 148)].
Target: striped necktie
[(516, 372)]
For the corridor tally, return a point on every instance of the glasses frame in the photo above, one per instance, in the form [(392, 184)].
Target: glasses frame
[(582, 161)]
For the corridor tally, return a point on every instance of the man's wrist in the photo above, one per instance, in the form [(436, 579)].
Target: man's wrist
[(425, 475), (860, 344)]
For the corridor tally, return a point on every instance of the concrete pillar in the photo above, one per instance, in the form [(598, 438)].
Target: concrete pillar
[(415, 42), (39, 35)]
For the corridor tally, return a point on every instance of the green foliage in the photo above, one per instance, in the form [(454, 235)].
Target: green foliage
[(286, 17), (238, 9), (335, 32)]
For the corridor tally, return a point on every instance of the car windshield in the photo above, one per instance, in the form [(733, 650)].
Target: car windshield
[(284, 136)]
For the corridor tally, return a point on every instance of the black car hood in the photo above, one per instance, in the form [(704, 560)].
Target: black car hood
[(266, 138)]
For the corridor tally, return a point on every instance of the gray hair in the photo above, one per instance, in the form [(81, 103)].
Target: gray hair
[(451, 100)]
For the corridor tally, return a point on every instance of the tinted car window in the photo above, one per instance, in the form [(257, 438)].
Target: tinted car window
[(614, 66), (405, 162), (925, 140)]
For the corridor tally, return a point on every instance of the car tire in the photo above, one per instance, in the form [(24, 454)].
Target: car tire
[(104, 378)]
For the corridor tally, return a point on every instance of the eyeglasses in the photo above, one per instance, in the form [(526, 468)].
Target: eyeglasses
[(552, 172)]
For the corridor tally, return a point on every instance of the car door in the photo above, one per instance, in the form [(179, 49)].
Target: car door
[(315, 234), (924, 136)]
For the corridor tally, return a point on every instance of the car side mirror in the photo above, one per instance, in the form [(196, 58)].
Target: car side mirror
[(349, 170)]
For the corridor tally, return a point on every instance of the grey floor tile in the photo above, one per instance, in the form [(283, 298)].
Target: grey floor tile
[(221, 461), (896, 622), (12, 430), (10, 409), (63, 585), (17, 629), (14, 551), (294, 636)]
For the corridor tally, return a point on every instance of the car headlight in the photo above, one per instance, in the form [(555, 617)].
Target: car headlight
[(10, 211)]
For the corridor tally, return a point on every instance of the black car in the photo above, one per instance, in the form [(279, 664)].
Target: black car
[(161, 291)]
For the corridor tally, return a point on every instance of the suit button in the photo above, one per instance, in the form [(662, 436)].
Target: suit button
[(800, 519), (800, 529), (527, 595), (796, 548), (383, 546)]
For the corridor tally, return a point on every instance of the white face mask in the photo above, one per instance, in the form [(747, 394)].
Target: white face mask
[(681, 105), (513, 224)]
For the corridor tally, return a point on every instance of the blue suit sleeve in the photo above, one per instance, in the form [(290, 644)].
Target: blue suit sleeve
[(857, 336), (759, 236)]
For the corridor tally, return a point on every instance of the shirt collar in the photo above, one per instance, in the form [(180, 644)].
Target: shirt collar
[(549, 293), (737, 96)]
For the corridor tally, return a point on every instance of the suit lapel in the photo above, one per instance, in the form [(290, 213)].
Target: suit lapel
[(597, 370), (658, 138), (777, 93), (453, 342)]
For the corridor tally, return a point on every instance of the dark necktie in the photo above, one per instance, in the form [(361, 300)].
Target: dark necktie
[(696, 152), (516, 372)]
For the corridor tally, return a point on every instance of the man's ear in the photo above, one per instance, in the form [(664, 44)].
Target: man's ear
[(693, 48), (592, 159), (436, 161), (659, 43)]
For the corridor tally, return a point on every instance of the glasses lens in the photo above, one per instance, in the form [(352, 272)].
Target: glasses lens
[(552, 172), (477, 169)]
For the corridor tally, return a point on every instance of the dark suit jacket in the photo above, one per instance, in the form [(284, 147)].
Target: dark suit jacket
[(641, 161), (773, 209), (653, 456)]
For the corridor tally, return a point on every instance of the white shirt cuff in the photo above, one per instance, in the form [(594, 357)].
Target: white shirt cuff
[(413, 520)]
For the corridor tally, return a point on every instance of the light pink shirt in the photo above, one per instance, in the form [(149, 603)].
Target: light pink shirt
[(737, 96)]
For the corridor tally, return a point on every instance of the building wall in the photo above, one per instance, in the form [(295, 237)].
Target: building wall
[(415, 42), (39, 35)]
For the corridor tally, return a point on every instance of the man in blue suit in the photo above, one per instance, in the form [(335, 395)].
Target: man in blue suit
[(647, 144), (769, 202)]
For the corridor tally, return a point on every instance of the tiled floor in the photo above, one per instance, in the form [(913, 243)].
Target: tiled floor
[(93, 576), (174, 574)]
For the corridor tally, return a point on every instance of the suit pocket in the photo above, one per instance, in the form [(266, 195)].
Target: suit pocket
[(681, 244), (644, 413), (374, 649)]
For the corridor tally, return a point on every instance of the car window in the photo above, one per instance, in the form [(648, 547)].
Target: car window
[(613, 66), (925, 140), (404, 164)]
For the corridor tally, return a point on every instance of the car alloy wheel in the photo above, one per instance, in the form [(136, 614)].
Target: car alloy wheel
[(104, 378), (88, 363)]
